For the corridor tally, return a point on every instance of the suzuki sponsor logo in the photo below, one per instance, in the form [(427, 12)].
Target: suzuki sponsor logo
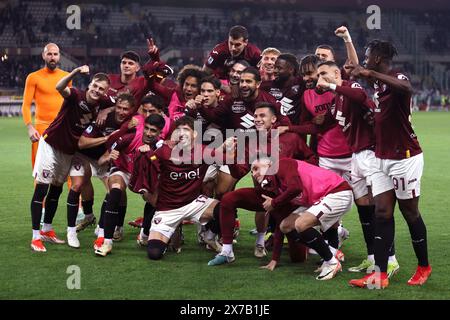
[(287, 107), (248, 121)]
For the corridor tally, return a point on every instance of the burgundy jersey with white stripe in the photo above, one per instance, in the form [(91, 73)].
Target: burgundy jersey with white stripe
[(75, 116), (395, 137), (289, 95)]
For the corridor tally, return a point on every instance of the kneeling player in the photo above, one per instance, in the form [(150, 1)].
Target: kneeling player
[(181, 175), (322, 198)]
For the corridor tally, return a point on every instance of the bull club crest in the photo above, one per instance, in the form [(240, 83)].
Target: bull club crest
[(46, 173), (157, 220), (295, 89), (276, 93)]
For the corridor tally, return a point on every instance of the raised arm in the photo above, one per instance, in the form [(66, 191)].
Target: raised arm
[(63, 85), (343, 33)]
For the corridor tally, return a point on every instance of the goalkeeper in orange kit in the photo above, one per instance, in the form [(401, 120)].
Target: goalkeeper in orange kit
[(40, 86)]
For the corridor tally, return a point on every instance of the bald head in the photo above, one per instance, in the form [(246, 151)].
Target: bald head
[(50, 55)]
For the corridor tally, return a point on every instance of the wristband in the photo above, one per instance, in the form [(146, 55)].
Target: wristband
[(332, 86), (347, 38)]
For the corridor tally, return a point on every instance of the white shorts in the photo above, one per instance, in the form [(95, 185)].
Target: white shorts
[(365, 171), (330, 208), (404, 174), (344, 168), (340, 166), (125, 175), (165, 222), (51, 166), (80, 164), (213, 171)]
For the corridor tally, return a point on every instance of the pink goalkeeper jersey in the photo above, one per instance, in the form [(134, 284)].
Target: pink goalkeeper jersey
[(303, 184), (317, 182), (176, 107), (332, 143)]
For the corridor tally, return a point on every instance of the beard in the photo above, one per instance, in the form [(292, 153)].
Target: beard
[(51, 65)]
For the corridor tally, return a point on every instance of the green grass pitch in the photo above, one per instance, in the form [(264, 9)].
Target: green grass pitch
[(128, 274)]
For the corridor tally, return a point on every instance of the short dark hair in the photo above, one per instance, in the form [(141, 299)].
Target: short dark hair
[(154, 100), (128, 97), (310, 59), (101, 77), (156, 120), (213, 80), (185, 121), (190, 70), (328, 63), (291, 60), (383, 49), (327, 47), (254, 72), (243, 62), (265, 104), (132, 55), (237, 32)]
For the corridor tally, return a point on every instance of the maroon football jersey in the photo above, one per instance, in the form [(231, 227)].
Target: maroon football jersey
[(352, 107), (179, 184), (221, 61), (395, 137), (236, 113), (289, 95), (72, 120), (93, 131), (138, 87), (290, 145)]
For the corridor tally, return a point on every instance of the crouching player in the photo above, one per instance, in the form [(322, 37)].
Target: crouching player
[(140, 181), (179, 190), (321, 196)]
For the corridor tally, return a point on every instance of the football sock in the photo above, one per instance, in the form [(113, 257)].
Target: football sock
[(418, 233), (149, 212), (40, 192), (51, 203), (260, 238), (121, 217), (72, 207), (101, 221), (112, 212), (227, 249), (87, 207), (46, 227), (392, 247), (332, 236), (384, 237), (313, 239), (71, 229), (36, 234), (366, 217), (101, 233)]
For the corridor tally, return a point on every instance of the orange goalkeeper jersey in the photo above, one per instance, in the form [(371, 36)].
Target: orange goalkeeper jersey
[(41, 86)]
